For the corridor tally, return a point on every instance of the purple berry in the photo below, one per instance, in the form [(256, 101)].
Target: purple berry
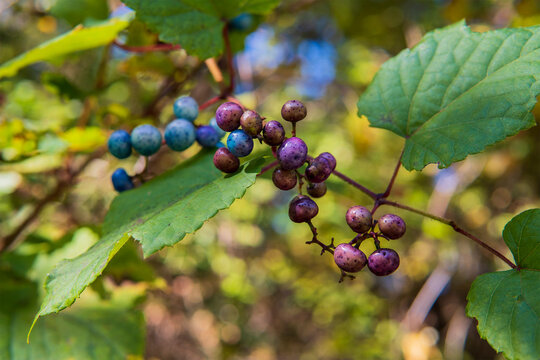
[(348, 258), (228, 116), (293, 111), (302, 209), (359, 219), (392, 226), (251, 122), (273, 133), (330, 158), (225, 161), (292, 153), (316, 190), (383, 262), (284, 179), (318, 171)]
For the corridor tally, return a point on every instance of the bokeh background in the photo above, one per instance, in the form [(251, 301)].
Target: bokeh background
[(245, 286)]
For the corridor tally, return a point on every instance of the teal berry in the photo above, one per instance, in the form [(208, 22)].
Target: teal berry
[(119, 144), (207, 136), (213, 123), (146, 139), (121, 180), (185, 107), (240, 144), (179, 134)]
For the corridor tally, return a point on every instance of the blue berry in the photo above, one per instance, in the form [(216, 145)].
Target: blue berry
[(242, 22), (185, 107), (179, 134), (239, 143), (121, 180), (146, 139), (207, 136), (213, 123), (120, 144)]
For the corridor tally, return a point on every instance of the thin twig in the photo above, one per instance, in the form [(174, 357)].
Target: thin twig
[(229, 55), (350, 181), (209, 103), (268, 167), (147, 48), (315, 239), (392, 180)]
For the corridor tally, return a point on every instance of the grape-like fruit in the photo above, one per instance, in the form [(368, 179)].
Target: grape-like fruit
[(302, 209), (207, 136), (383, 262), (392, 226), (349, 259), (251, 122), (146, 139), (318, 171), (179, 134), (240, 143), (119, 144), (293, 111), (241, 22), (316, 190), (228, 116), (330, 158), (273, 133), (284, 179), (185, 107), (292, 153), (225, 161), (121, 180), (359, 219), (213, 123)]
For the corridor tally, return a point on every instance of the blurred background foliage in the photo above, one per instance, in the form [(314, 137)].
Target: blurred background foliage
[(246, 286)]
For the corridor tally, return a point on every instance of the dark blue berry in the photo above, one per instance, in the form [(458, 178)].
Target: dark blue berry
[(120, 144), (214, 124), (185, 107), (207, 136), (239, 143), (179, 134), (242, 22), (121, 180), (146, 139)]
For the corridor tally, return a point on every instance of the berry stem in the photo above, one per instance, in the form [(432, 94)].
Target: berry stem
[(147, 48), (392, 180), (300, 181), (315, 239), (454, 226), (270, 166), (293, 132), (350, 181), (209, 103)]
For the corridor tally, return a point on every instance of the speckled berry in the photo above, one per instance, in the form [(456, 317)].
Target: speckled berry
[(392, 226), (228, 116), (359, 219), (185, 107), (316, 190), (302, 209), (273, 133), (330, 158), (213, 123), (206, 136), (119, 144), (349, 259), (225, 161), (292, 153), (284, 179), (251, 122), (383, 262), (146, 139), (179, 134), (318, 171), (240, 143), (121, 180), (293, 111)]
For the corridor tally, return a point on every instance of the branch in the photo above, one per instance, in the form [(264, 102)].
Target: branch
[(315, 240), (268, 167), (453, 225), (392, 179), (147, 48), (350, 181)]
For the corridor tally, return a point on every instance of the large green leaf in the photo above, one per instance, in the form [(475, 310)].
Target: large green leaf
[(456, 92), (507, 304), (196, 25), (80, 38), (157, 214)]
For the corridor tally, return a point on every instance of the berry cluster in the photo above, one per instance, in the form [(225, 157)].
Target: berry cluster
[(146, 139)]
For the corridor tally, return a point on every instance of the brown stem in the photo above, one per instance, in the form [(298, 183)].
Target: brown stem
[(210, 102), (147, 48), (315, 240), (268, 167), (350, 181), (293, 132), (229, 55), (454, 226), (392, 180)]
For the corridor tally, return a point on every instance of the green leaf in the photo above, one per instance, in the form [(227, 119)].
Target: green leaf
[(80, 38), (77, 11), (507, 304), (456, 92), (160, 213), (196, 25)]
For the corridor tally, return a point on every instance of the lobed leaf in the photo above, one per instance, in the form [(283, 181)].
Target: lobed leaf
[(456, 92)]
